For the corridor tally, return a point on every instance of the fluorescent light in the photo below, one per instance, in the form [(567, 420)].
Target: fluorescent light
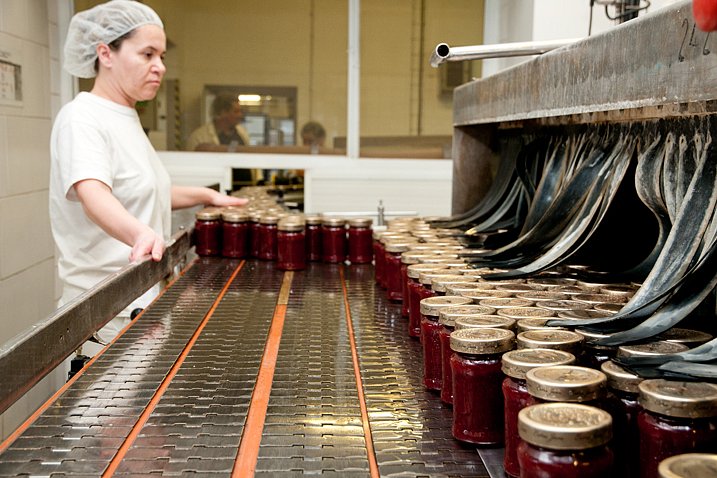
[(249, 98)]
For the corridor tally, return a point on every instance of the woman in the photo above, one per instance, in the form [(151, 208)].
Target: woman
[(110, 196)]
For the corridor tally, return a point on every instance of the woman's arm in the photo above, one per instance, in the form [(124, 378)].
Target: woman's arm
[(107, 212), (188, 196)]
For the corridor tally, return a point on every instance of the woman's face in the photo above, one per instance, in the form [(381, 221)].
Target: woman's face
[(137, 67)]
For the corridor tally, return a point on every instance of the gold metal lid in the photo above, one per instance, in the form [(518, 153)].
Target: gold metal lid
[(566, 383), (518, 313), (570, 289), (650, 349), (412, 257), (622, 290), (679, 399), (255, 215), (234, 215), (506, 302), (484, 294), (333, 221), (440, 284), (422, 248), (689, 465), (438, 259), (590, 335), (620, 379), (599, 298), (551, 282), (289, 224), (517, 287), (608, 307), (583, 314), (427, 278), (550, 339), (360, 222), (313, 219), (388, 236), (268, 219), (542, 296), (564, 426), (536, 324), (459, 288), (689, 337), (482, 341), (398, 246), (517, 363), (432, 306), (562, 305), (448, 315), (415, 270), (208, 214), (484, 321)]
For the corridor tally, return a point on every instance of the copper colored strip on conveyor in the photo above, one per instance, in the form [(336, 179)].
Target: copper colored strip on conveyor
[(245, 464), (136, 429)]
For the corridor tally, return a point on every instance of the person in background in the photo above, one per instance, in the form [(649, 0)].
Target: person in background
[(224, 132), (110, 195), (314, 135)]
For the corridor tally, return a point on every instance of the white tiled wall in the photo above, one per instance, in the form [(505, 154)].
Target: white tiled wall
[(27, 262)]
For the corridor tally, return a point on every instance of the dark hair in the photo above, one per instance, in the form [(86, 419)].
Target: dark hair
[(115, 45), (314, 129), (222, 103)]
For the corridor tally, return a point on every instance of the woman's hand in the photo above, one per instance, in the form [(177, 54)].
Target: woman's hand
[(188, 196), (147, 242), (223, 200)]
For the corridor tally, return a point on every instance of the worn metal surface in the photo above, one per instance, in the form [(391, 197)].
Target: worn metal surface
[(443, 52), (654, 66), (25, 361), (313, 424)]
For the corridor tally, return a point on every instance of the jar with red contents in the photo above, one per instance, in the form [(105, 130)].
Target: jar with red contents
[(392, 268), (595, 355), (253, 232), (234, 233), (333, 239), (622, 402), (291, 245), (208, 231), (515, 365), (378, 255), (408, 258), (567, 383), (689, 465), (551, 339), (677, 417), (313, 237), (441, 284), (447, 320), (266, 233), (360, 247), (416, 293), (430, 310), (477, 379), (566, 440)]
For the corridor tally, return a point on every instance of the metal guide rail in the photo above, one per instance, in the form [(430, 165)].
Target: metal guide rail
[(240, 369)]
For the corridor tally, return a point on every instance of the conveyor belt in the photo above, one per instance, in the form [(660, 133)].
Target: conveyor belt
[(229, 373)]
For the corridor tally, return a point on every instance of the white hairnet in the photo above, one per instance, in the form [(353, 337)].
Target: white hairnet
[(102, 24)]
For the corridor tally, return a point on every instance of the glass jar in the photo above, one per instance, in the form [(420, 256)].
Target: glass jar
[(408, 258), (313, 238), (234, 233), (266, 234), (566, 440), (567, 383), (622, 403), (551, 339), (515, 364), (447, 321), (430, 310), (208, 231), (477, 379), (677, 417), (689, 465), (595, 355), (254, 217), (291, 245), (333, 237), (416, 293), (392, 268), (360, 246), (378, 256)]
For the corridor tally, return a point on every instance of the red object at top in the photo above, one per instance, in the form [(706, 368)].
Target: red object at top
[(705, 13)]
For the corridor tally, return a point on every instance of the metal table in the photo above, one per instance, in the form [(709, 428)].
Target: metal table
[(241, 369)]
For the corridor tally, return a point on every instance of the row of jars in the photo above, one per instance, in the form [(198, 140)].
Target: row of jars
[(498, 394), (291, 240)]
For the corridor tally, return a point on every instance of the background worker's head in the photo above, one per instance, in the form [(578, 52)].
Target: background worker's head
[(313, 134), (226, 111)]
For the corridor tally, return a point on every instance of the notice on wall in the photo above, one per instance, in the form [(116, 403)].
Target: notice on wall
[(10, 83)]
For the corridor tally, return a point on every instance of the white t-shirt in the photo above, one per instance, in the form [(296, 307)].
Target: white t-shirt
[(95, 138)]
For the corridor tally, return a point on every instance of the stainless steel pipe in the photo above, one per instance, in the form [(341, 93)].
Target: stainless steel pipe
[(444, 53)]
